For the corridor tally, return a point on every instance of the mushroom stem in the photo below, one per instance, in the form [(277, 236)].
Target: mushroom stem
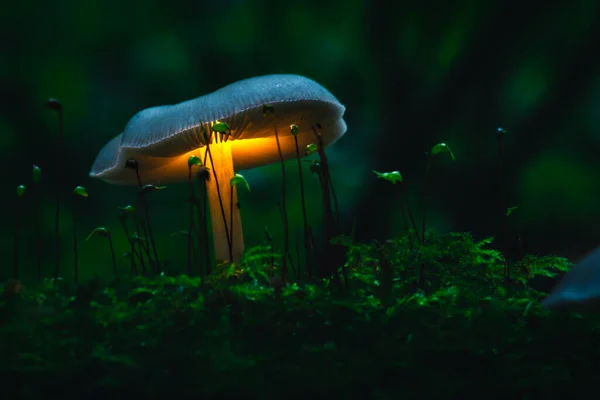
[(223, 213)]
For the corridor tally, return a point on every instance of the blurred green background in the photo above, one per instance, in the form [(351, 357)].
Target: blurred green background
[(411, 74)]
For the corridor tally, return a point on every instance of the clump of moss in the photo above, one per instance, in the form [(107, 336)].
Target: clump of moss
[(247, 333)]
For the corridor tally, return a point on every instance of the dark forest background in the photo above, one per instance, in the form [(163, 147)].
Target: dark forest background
[(411, 74)]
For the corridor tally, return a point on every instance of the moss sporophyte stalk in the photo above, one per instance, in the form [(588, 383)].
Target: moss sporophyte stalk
[(401, 310)]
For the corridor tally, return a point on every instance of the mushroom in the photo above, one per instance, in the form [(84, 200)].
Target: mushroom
[(580, 287), (161, 139)]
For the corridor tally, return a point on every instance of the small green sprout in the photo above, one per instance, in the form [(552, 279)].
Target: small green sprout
[(310, 148), (125, 211), (151, 188), (392, 177), (442, 148), (102, 231), (220, 127), (80, 191), (510, 210), (194, 160), (500, 131), (129, 209), (237, 179), (36, 174), (294, 129), (268, 109), (99, 231), (21, 190)]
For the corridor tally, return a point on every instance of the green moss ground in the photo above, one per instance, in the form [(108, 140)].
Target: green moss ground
[(245, 335)]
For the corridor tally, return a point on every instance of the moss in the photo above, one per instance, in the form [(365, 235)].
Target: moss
[(248, 334)]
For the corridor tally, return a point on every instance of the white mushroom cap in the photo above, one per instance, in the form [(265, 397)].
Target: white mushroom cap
[(162, 138)]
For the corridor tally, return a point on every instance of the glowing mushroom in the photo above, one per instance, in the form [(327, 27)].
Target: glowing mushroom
[(162, 139)]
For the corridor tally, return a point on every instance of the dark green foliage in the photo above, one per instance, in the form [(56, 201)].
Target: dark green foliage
[(250, 335)]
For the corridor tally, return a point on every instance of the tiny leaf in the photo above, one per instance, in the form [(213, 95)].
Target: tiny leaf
[(21, 190), (310, 148), (99, 231), (36, 174), (237, 179), (393, 176), (294, 129), (128, 209), (80, 191), (510, 210), (442, 148), (220, 127), (194, 160)]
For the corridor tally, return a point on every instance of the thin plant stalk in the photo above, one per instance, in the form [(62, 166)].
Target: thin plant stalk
[(75, 254), (38, 234), (288, 253), (329, 219), (142, 245), (499, 135), (112, 253), (55, 105), (149, 226), (20, 193), (324, 180), (16, 244), (235, 180), (231, 217), (437, 149), (102, 231), (139, 221), (286, 239), (298, 252), (136, 251), (37, 173), (402, 208), (79, 191), (269, 242), (202, 220), (191, 222), (303, 202), (404, 202), (335, 202), (424, 221), (313, 243), (425, 198)]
